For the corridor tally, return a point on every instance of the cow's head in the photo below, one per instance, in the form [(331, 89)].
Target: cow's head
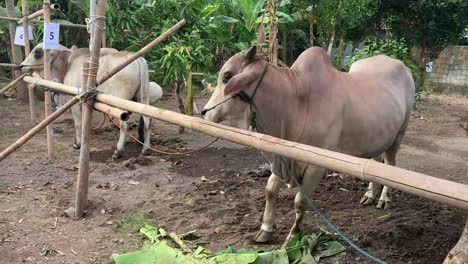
[(241, 72), (35, 60)]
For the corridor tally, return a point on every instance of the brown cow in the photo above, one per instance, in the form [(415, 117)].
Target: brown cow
[(363, 113)]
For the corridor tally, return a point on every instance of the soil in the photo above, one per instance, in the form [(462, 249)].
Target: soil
[(227, 207)]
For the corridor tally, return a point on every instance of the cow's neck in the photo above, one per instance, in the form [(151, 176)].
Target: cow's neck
[(286, 98), (60, 65), (270, 102)]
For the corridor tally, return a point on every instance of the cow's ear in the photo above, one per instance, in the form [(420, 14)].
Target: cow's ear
[(236, 83), (250, 54)]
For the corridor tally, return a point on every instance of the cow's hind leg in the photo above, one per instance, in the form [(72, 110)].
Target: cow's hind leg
[(271, 192), (144, 133), (390, 159), (311, 180), (76, 114), (371, 194), (122, 140)]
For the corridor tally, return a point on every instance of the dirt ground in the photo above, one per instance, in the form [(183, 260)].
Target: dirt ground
[(226, 208)]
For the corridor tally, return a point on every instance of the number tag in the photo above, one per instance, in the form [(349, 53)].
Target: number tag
[(51, 36), (19, 35)]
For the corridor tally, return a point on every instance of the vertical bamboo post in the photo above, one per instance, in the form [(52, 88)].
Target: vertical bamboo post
[(27, 50), (188, 91), (81, 201), (24, 11), (47, 94)]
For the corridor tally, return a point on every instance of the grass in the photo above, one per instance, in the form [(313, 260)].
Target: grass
[(133, 222)]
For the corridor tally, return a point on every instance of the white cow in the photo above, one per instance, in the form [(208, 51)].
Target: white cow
[(363, 113), (131, 83)]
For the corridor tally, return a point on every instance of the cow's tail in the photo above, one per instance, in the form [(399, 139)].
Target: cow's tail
[(144, 94)]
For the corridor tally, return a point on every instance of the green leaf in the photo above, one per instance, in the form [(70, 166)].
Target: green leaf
[(229, 19), (279, 256), (158, 253), (232, 258), (149, 232)]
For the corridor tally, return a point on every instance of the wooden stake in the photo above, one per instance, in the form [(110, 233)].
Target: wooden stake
[(21, 141), (16, 54), (13, 83), (81, 201), (47, 76), (435, 189)]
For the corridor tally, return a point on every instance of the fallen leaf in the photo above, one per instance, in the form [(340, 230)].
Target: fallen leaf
[(106, 223), (131, 182), (217, 230)]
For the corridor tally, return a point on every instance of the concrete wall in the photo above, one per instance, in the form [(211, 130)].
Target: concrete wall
[(450, 71)]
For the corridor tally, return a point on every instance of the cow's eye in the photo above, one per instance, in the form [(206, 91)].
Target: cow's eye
[(226, 77), (38, 54)]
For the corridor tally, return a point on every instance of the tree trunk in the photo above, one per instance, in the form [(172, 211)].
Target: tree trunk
[(339, 54), (17, 55), (311, 32), (284, 52), (188, 92), (330, 44), (273, 50), (180, 102)]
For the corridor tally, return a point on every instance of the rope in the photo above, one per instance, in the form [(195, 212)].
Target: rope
[(292, 178), (332, 226), (104, 117), (92, 21), (158, 150)]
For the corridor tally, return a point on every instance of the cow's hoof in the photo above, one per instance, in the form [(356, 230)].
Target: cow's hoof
[(145, 152), (263, 236), (76, 146), (117, 154), (382, 204), (367, 200)]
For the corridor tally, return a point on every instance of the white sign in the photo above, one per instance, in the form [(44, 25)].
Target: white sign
[(429, 66), (19, 35), (51, 35)]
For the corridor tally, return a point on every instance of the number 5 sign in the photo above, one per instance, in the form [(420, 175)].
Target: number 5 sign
[(51, 36)]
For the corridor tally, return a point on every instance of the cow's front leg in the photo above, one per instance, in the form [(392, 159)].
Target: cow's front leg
[(310, 181), (76, 114), (122, 140), (147, 136), (371, 194), (384, 201), (271, 193)]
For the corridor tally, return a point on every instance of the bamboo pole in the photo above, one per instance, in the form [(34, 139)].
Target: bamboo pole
[(12, 65), (53, 7), (47, 94), (435, 189), (24, 12), (41, 21), (13, 83), (27, 50), (21, 141), (141, 52), (112, 111), (16, 54), (81, 201)]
